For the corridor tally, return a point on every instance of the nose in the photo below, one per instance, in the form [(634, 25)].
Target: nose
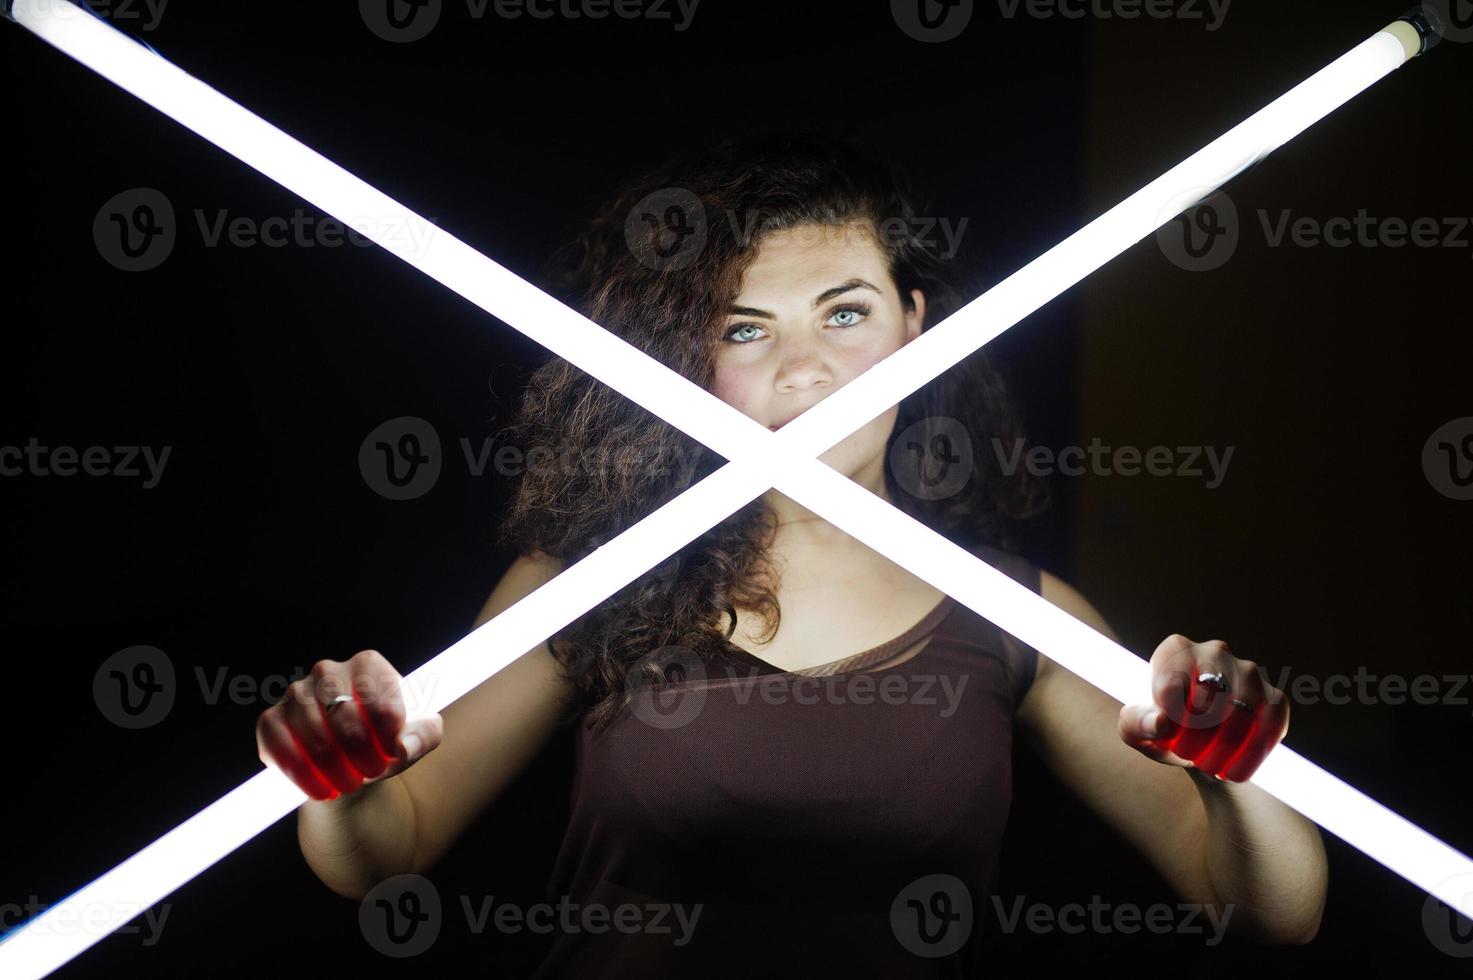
[(802, 367)]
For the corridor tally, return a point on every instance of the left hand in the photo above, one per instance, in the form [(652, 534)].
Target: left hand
[(1199, 726)]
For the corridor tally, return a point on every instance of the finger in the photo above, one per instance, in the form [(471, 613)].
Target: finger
[(277, 746), (1146, 723), (1234, 722), (1270, 726), (1206, 706), (1171, 686), (381, 699), (1232, 737), (304, 716), (1135, 731), (350, 729), (1171, 666), (430, 732)]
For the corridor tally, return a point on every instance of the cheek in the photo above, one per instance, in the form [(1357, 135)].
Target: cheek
[(868, 357), (735, 387)]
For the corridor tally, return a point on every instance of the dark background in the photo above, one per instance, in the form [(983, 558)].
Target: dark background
[(262, 549)]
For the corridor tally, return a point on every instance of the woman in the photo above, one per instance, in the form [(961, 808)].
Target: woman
[(793, 754)]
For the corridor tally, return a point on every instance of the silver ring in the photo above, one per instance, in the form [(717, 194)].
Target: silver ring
[(333, 704), (1241, 703), (1216, 680)]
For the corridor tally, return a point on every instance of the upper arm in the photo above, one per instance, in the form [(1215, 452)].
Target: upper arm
[(491, 732), (1075, 728)]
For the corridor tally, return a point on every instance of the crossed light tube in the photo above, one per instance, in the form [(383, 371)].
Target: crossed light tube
[(761, 460)]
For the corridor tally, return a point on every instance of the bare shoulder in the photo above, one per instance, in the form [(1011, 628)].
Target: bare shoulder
[(1073, 602), (526, 574)]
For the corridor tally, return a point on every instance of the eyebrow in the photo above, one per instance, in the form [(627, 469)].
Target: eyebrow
[(818, 301)]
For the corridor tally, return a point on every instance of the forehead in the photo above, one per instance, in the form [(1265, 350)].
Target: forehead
[(797, 258)]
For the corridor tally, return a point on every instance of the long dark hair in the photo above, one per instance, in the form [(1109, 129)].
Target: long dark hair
[(659, 265)]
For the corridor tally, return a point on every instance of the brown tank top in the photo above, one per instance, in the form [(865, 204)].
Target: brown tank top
[(751, 822)]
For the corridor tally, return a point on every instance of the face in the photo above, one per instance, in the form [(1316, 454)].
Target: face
[(817, 308)]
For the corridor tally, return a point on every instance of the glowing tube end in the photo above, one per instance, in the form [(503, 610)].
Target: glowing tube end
[(1419, 30)]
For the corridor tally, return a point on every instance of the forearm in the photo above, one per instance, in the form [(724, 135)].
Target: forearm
[(1265, 862), (355, 841)]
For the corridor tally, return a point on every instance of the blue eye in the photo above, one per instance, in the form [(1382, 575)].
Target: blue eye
[(740, 326), (857, 309)]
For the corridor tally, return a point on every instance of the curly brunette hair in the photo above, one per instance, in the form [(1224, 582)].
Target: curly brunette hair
[(659, 266)]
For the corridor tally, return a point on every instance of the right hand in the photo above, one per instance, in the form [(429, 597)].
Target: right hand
[(332, 755)]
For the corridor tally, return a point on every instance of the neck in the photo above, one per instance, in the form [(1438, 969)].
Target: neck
[(801, 531)]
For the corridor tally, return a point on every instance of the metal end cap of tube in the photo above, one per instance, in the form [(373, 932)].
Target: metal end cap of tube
[(1428, 21)]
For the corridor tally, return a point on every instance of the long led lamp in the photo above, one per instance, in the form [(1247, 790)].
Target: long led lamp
[(786, 460)]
